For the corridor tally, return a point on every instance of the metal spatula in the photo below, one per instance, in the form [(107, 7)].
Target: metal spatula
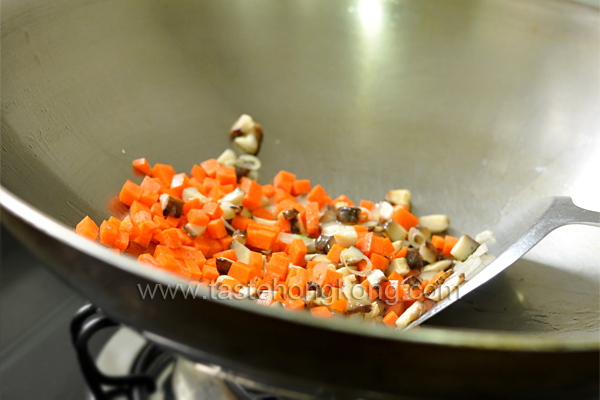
[(514, 237)]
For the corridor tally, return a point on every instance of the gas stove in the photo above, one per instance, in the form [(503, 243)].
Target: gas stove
[(36, 312)]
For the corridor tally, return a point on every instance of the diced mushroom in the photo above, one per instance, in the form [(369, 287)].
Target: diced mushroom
[(414, 259), (416, 237), (443, 290), (194, 230), (464, 248), (351, 256), (241, 172), (398, 244), (248, 292), (223, 265), (348, 215), (411, 314), (234, 197), (290, 214), (266, 298), (242, 126), (436, 223), (248, 161), (345, 271), (349, 279), (316, 258), (486, 237), (377, 309), (411, 281), (357, 297), (394, 230), (428, 252), (426, 232), (358, 317), (171, 205), (221, 278), (239, 236), (438, 266), (323, 244), (346, 237), (385, 211), (399, 265), (227, 158), (310, 297), (328, 214), (247, 134), (229, 210), (376, 278), (399, 196), (191, 193), (442, 278)]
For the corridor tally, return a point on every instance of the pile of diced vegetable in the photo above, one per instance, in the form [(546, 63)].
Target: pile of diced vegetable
[(286, 244)]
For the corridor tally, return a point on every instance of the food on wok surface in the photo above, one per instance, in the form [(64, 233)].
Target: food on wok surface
[(287, 243)]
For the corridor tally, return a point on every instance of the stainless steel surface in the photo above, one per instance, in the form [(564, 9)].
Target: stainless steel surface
[(514, 237), (478, 107)]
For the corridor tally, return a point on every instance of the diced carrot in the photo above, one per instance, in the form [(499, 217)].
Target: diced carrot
[(149, 197), (180, 181), (367, 204), (312, 218), (240, 222), (271, 278), (279, 264), (390, 319), (326, 200), (172, 221), (284, 180), (373, 294), (317, 194), (225, 241), (397, 307), (281, 195), (449, 243), (136, 207), (130, 192), (382, 246), (262, 213), (438, 241), (297, 252), (216, 229), (148, 259), (121, 241), (151, 184), (294, 304), (329, 279), (141, 164), (219, 191), (253, 197), (208, 185), (202, 245), (215, 246), (156, 209), (175, 192), (321, 312), (256, 262), (213, 210), (194, 270), (164, 173), (226, 175), (242, 272), (379, 262), (198, 173), (338, 300), (343, 200), (171, 238), (198, 217), (334, 253), (260, 238), (108, 233), (402, 252), (87, 228), (284, 225), (193, 204), (130, 226), (268, 190), (228, 254), (395, 276), (405, 218), (210, 167), (301, 186), (363, 242), (209, 272), (360, 229)]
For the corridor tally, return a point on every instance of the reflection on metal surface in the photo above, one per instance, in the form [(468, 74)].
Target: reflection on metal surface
[(370, 15)]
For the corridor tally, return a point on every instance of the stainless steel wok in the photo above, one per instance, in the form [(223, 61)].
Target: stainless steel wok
[(478, 107)]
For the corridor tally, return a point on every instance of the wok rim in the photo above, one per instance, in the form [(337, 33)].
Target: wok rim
[(450, 337)]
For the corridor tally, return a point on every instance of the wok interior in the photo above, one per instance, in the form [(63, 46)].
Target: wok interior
[(477, 107)]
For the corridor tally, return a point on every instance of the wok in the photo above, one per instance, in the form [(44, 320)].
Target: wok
[(478, 107)]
